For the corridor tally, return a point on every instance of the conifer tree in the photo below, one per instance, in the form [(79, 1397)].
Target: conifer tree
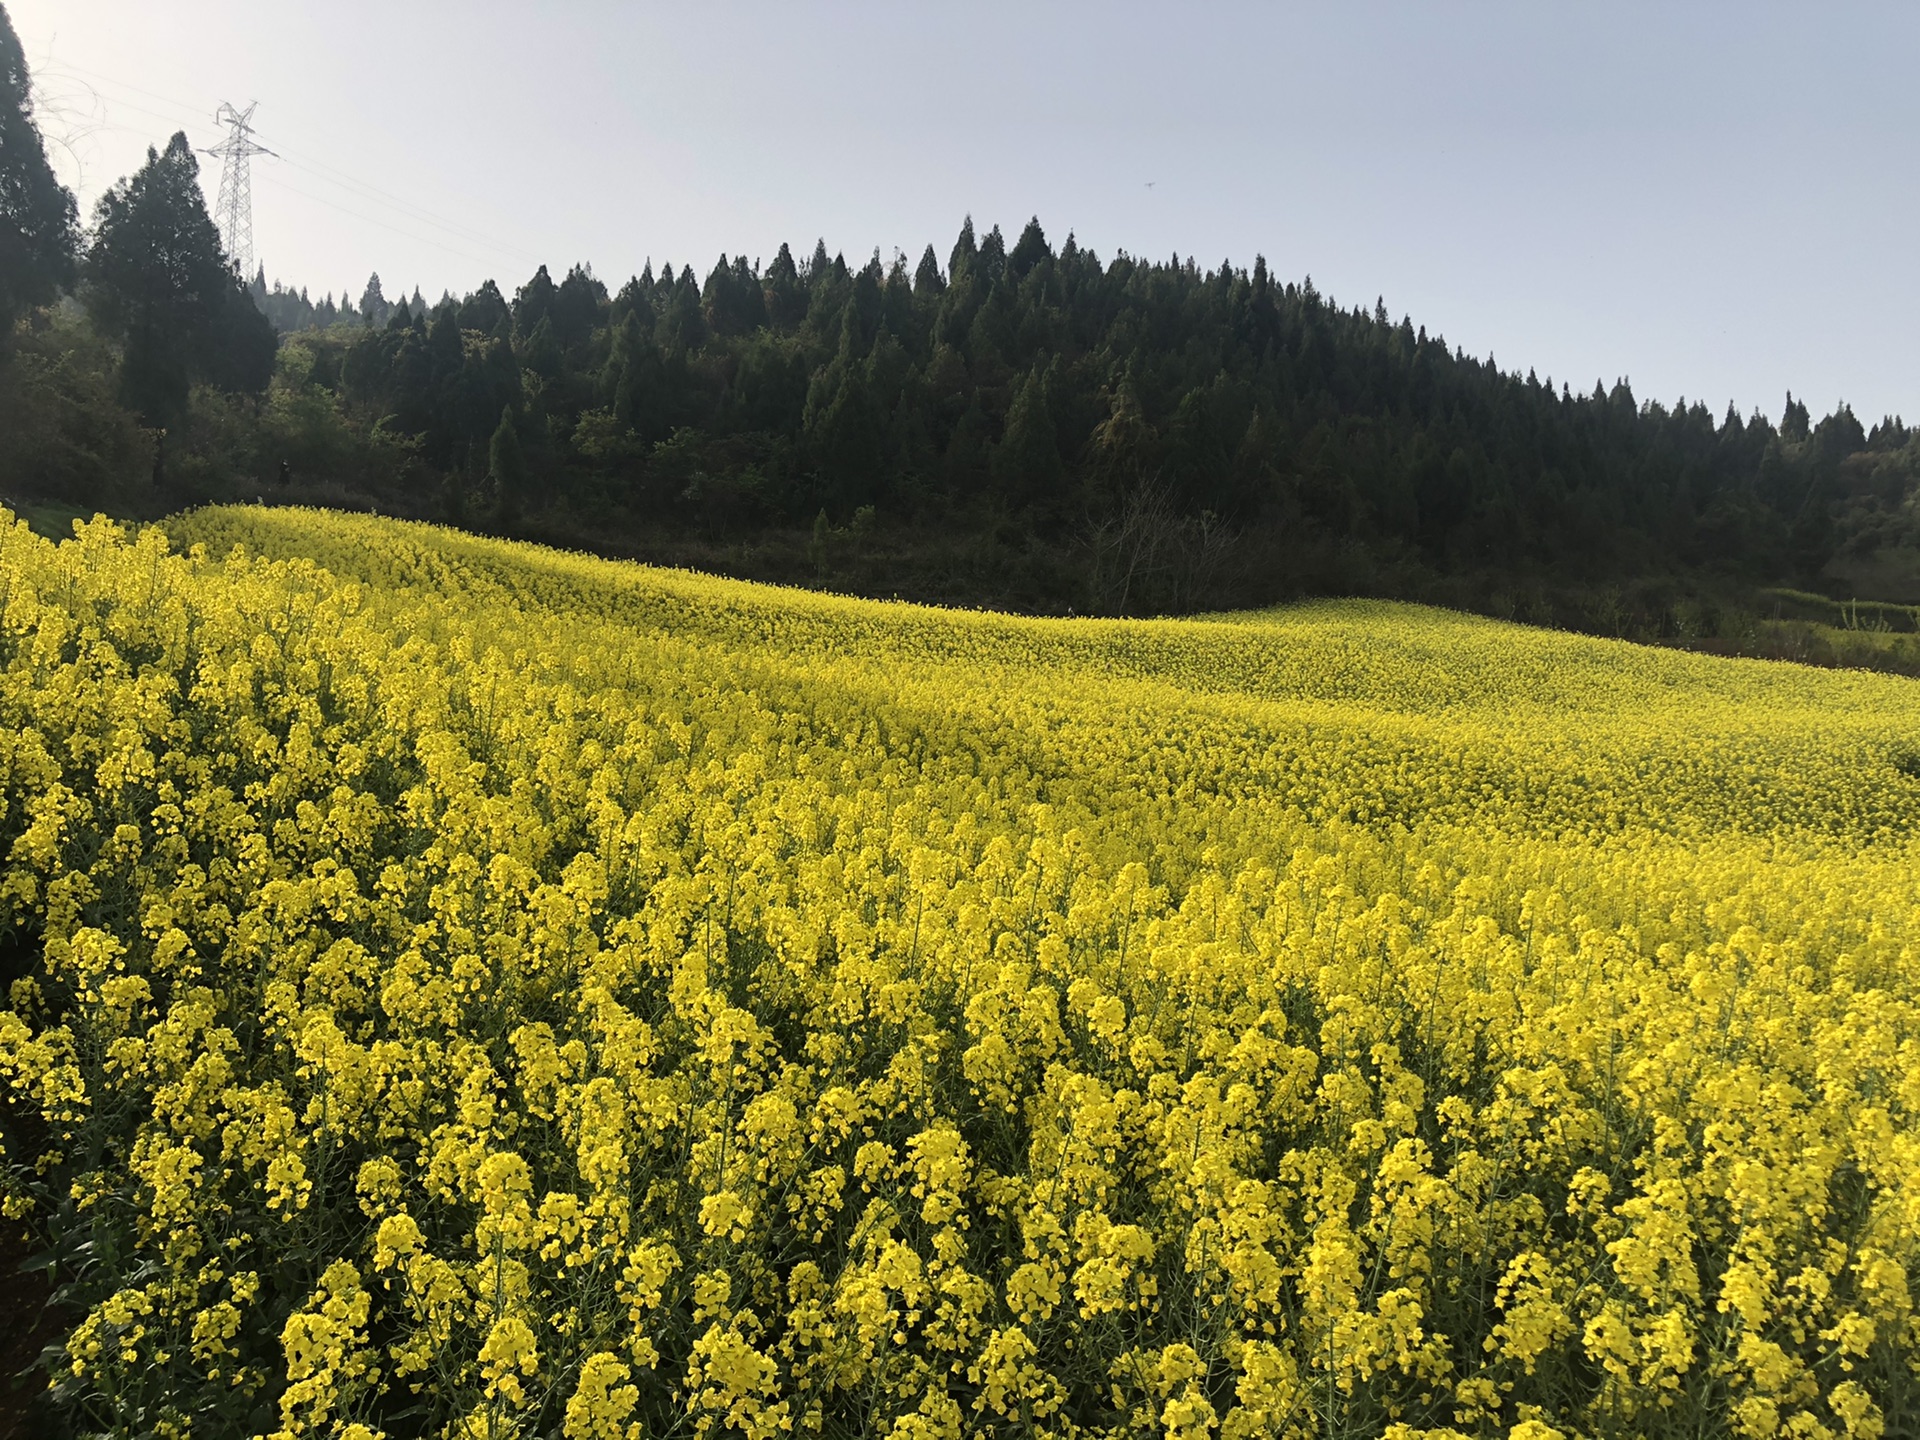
[(1795, 423), (786, 298), (1129, 398), (993, 255), (578, 303), (1026, 462), (633, 299), (484, 309), (157, 282), (38, 235), (373, 304), (1121, 451), (506, 465), (749, 299), (540, 352), (965, 252), (1030, 250), (927, 280), (533, 302)]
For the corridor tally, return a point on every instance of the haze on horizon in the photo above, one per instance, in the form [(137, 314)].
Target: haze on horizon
[(1717, 201)]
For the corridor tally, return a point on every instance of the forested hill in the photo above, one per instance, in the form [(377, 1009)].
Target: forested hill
[(1029, 426), (1147, 412)]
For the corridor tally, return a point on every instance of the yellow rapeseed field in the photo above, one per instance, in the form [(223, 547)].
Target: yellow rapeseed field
[(459, 989)]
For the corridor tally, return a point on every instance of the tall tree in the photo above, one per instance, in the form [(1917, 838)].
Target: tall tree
[(1026, 462), (484, 309), (506, 465), (158, 284), (579, 303), (373, 303), (533, 302), (927, 279), (786, 299), (38, 237), (1031, 249), (965, 252)]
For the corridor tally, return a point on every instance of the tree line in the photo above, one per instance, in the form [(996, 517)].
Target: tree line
[(1015, 420)]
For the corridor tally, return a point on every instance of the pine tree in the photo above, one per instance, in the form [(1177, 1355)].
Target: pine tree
[(373, 304), (1196, 459), (1795, 423), (632, 300), (158, 283), (683, 326), (579, 302), (1030, 250), (1121, 452), (1026, 462), (540, 352), (749, 298), (965, 252), (731, 301), (786, 297), (38, 234), (484, 309), (533, 302), (993, 255), (927, 280), (506, 465)]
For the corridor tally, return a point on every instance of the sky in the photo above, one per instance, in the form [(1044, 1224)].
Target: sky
[(1714, 201)]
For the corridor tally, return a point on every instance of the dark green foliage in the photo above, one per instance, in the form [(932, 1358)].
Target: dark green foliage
[(38, 238), (158, 285), (533, 302), (927, 279), (62, 432), (1026, 462), (1030, 251), (579, 307), (786, 296), (1125, 434), (732, 301), (485, 310), (1057, 390), (506, 464), (291, 310), (374, 308)]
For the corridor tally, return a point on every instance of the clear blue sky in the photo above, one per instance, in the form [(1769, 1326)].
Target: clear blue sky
[(1720, 201)]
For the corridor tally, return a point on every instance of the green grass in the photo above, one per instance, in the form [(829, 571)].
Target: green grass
[(52, 519)]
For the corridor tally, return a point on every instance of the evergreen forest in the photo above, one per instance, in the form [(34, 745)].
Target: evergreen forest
[(1016, 422)]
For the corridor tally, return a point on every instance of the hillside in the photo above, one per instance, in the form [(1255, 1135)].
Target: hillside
[(1325, 708), (460, 983), (1024, 424), (1030, 428)]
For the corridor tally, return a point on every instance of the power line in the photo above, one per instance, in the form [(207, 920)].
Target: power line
[(279, 182), (361, 190), (372, 195)]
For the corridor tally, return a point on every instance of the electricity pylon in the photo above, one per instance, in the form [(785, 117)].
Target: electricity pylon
[(233, 211)]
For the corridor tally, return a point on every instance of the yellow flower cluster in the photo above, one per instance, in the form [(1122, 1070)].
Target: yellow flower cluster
[(462, 989)]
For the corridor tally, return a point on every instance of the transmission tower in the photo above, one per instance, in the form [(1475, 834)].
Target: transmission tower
[(233, 211)]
